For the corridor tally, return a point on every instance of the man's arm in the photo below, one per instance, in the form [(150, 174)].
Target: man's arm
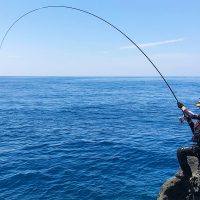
[(187, 112), (188, 115)]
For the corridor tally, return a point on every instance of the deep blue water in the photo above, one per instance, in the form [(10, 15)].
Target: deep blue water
[(90, 138)]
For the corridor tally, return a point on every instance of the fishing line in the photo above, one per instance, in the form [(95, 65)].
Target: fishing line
[(89, 13)]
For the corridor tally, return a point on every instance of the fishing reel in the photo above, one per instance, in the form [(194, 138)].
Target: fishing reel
[(182, 119)]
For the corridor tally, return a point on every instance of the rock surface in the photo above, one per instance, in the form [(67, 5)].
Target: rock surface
[(180, 187)]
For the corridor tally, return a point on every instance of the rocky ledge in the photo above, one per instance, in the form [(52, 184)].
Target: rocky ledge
[(180, 187)]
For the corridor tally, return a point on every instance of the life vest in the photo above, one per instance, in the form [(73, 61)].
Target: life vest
[(196, 136)]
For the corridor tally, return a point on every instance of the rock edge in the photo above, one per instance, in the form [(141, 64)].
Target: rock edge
[(180, 187)]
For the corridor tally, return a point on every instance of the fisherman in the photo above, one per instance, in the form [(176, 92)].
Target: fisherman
[(182, 153)]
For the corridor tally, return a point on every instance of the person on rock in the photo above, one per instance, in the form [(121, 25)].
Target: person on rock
[(182, 153)]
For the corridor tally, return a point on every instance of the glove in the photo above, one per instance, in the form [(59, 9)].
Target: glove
[(179, 104)]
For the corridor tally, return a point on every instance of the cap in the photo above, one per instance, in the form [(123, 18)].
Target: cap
[(197, 104)]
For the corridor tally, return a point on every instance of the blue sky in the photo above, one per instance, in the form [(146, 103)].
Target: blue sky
[(62, 42)]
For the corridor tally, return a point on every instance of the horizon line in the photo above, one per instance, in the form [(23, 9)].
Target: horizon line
[(101, 76)]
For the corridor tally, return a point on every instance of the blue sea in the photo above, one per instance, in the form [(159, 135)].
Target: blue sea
[(90, 138)]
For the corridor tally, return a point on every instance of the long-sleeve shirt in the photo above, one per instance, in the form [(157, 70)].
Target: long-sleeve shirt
[(190, 114), (195, 126)]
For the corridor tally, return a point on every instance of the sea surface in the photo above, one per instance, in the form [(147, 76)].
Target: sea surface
[(90, 138)]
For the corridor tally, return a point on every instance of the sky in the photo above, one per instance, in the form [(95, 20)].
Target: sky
[(64, 42)]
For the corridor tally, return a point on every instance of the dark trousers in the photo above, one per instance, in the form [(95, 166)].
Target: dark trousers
[(182, 154)]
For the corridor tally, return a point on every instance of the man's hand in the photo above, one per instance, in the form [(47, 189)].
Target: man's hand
[(179, 104)]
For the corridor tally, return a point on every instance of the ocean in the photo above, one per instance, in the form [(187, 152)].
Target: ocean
[(90, 138)]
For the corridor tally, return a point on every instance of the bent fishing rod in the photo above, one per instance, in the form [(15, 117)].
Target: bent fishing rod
[(94, 15)]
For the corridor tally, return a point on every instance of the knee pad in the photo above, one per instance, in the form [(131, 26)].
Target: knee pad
[(180, 152)]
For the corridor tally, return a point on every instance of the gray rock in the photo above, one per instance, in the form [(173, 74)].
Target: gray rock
[(180, 187)]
